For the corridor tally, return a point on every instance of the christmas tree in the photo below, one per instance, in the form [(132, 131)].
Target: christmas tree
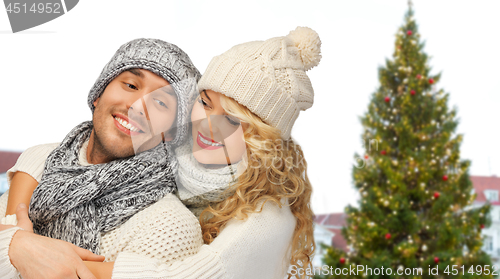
[(415, 212)]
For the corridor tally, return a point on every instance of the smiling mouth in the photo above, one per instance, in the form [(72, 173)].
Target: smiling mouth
[(208, 142), (127, 125)]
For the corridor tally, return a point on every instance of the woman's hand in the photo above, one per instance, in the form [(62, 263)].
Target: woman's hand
[(36, 256)]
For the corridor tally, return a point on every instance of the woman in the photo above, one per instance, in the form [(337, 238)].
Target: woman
[(264, 222)]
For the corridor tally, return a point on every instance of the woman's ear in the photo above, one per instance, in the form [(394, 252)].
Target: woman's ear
[(96, 102)]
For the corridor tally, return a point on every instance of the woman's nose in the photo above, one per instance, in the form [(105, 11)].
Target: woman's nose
[(210, 124)]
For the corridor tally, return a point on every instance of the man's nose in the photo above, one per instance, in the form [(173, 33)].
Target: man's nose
[(138, 105)]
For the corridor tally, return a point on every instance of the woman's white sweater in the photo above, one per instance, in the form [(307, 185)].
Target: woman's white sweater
[(164, 240)]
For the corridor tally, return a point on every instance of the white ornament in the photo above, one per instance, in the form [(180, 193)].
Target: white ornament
[(386, 203), (405, 80), (424, 247), (422, 184)]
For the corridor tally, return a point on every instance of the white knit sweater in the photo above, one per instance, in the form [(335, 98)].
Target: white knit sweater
[(162, 241)]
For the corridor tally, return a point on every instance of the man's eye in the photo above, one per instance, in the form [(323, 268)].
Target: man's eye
[(161, 103), (131, 86)]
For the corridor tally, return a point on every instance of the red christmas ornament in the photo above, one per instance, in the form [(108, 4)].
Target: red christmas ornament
[(412, 92), (383, 152), (388, 236), (387, 99), (409, 32), (436, 260), (445, 177), (342, 260), (436, 195), (366, 157), (431, 81), (482, 226), (419, 76)]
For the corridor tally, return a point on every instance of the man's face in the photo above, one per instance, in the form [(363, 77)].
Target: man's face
[(132, 113)]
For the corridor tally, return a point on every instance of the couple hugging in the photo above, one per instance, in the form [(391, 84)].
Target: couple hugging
[(171, 179)]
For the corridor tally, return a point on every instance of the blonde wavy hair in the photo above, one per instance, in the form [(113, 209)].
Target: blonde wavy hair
[(276, 169)]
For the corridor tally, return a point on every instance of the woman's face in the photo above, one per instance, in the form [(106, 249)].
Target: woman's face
[(217, 136)]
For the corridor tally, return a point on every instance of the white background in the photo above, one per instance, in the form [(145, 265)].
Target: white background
[(47, 71)]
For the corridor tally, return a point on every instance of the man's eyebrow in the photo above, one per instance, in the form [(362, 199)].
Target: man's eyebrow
[(136, 72), (206, 95)]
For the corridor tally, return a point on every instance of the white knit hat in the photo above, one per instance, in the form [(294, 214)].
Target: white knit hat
[(268, 77)]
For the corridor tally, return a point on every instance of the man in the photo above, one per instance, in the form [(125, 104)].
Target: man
[(91, 179)]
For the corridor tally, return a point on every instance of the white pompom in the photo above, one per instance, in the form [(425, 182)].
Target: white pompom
[(309, 45)]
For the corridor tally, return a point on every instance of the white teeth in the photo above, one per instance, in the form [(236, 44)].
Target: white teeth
[(126, 124), (208, 142)]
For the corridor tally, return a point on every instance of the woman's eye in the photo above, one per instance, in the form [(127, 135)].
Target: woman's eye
[(131, 86), (160, 103), (233, 121), (201, 101)]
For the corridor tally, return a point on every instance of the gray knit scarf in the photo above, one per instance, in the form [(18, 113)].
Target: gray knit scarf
[(198, 186), (77, 203)]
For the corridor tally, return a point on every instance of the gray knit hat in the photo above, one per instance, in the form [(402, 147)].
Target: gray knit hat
[(164, 59)]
